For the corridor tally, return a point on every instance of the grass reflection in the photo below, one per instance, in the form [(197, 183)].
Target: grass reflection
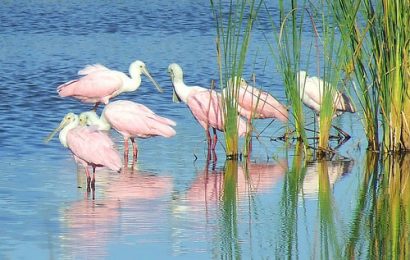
[(380, 227), (292, 186), (329, 244)]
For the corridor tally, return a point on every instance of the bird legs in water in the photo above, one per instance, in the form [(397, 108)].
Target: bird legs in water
[(90, 181), (134, 150), (211, 143)]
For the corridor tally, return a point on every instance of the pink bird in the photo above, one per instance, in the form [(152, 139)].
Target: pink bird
[(255, 103), (205, 104), (89, 146), (131, 120), (99, 84)]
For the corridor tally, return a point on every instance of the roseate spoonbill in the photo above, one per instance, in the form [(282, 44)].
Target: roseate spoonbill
[(255, 103), (205, 104), (89, 146), (99, 84), (131, 120), (311, 93)]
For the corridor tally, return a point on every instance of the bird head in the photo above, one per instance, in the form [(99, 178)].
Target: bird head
[(68, 118), (176, 74), (138, 67)]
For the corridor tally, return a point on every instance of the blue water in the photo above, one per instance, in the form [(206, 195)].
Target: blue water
[(169, 205)]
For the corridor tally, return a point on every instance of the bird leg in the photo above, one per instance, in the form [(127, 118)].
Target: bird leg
[(87, 173), (125, 151), (208, 138), (95, 106), (215, 140), (93, 180), (134, 149)]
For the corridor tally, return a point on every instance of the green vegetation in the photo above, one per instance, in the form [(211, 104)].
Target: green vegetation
[(233, 36)]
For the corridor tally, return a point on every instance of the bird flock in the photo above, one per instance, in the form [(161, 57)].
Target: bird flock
[(87, 135)]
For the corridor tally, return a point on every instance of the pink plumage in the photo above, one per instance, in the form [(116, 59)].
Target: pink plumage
[(93, 147), (97, 86), (136, 120), (206, 107), (259, 104)]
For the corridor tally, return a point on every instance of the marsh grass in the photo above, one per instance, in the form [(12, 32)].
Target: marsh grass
[(286, 53), (234, 23), (378, 34)]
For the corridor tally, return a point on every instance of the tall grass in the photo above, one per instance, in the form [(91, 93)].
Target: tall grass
[(378, 33), (286, 52), (234, 23)]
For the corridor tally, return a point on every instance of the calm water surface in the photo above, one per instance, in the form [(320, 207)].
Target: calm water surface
[(169, 205)]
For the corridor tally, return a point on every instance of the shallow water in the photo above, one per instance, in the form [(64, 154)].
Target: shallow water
[(169, 205)]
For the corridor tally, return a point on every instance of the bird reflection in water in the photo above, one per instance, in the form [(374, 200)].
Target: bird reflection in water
[(335, 171), (208, 188), (131, 203)]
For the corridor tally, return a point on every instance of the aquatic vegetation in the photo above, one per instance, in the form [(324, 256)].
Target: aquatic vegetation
[(233, 37), (288, 37), (378, 33)]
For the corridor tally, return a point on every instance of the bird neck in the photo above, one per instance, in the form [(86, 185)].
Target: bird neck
[(63, 133), (103, 124), (181, 89), (133, 83), (100, 122)]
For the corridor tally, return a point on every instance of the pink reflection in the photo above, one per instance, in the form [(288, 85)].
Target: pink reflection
[(258, 178), (131, 204)]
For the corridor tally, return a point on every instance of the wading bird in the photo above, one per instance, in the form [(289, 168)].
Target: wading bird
[(255, 103), (311, 92), (89, 146), (205, 104), (131, 120), (99, 84)]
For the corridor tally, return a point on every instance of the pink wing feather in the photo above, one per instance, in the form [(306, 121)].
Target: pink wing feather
[(98, 86), (261, 104), (93, 146), (136, 120)]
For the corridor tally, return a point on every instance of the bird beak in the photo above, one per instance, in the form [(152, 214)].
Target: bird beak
[(146, 73), (175, 97), (63, 123)]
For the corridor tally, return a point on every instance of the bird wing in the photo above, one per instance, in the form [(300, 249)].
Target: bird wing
[(93, 146), (261, 103), (97, 85), (206, 107), (91, 69), (133, 119)]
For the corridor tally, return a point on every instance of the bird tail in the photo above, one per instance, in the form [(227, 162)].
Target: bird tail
[(113, 160), (166, 131), (347, 103), (241, 127)]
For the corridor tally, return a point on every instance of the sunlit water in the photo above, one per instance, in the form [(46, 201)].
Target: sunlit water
[(169, 205)]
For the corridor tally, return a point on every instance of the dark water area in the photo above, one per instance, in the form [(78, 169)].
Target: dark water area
[(169, 205)]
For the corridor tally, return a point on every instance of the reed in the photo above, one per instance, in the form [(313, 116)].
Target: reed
[(379, 33), (286, 52), (234, 27)]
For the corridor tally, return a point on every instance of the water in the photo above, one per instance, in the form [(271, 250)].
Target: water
[(170, 205)]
